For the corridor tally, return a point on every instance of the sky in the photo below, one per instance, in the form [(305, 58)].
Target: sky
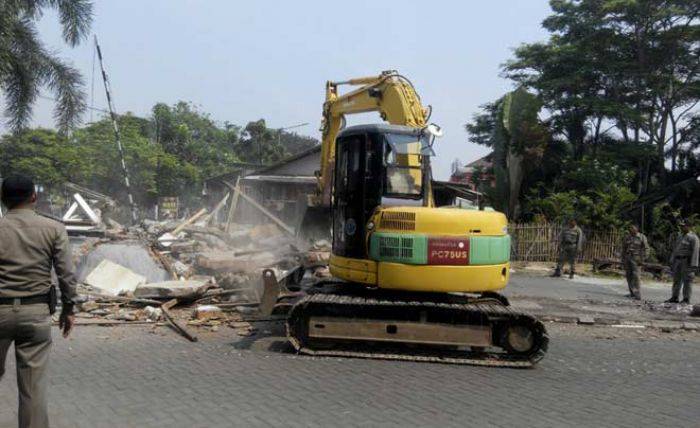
[(241, 61)]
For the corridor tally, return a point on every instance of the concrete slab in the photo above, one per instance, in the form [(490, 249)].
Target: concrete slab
[(111, 278)]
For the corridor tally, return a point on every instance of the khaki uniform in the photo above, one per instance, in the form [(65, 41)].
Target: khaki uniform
[(635, 249), (570, 243), (30, 246), (684, 262)]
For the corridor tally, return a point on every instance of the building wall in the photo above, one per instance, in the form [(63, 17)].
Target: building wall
[(279, 198)]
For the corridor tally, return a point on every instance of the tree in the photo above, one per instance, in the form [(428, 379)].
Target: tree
[(192, 136), (26, 65), (259, 145), (512, 128), (44, 155), (170, 153), (294, 143), (631, 65)]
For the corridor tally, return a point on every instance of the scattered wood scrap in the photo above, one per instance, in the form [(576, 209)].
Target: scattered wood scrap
[(174, 322)]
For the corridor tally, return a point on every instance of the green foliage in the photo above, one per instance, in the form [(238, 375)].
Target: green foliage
[(262, 145), (628, 66), (592, 174), (154, 172), (259, 144), (618, 80), (42, 154), (171, 153), (26, 65), (595, 208), (193, 137)]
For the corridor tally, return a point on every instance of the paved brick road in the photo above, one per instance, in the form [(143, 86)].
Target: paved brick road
[(131, 377)]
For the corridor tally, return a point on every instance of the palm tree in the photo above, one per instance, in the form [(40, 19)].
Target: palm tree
[(26, 65)]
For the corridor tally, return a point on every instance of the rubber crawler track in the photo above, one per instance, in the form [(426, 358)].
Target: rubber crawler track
[(493, 312)]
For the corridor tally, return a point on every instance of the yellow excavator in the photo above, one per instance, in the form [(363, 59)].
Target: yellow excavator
[(411, 281)]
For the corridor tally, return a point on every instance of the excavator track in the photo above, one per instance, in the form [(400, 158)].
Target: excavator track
[(342, 325)]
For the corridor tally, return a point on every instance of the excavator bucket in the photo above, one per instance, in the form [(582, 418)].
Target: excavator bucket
[(314, 223)]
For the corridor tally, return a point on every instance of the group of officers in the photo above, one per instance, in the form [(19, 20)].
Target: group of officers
[(683, 260)]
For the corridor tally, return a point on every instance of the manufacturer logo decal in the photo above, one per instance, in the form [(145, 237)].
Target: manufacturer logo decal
[(350, 227), (448, 251)]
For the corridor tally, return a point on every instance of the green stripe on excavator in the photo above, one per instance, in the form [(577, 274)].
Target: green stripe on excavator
[(489, 250), (412, 248)]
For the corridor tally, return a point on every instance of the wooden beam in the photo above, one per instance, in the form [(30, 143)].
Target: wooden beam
[(233, 207), (189, 221), (175, 323), (212, 215)]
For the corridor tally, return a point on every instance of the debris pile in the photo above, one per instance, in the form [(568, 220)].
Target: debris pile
[(188, 273)]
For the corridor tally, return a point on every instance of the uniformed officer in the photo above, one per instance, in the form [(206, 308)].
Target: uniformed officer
[(684, 262), (30, 246), (570, 243), (635, 249)]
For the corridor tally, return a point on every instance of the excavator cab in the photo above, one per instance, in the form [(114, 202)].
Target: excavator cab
[(376, 165)]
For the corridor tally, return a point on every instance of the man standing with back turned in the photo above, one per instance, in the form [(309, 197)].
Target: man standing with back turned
[(30, 245)]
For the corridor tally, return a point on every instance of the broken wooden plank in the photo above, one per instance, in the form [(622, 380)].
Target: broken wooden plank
[(86, 208), (177, 326), (233, 207), (164, 262), (212, 215), (189, 221), (73, 208)]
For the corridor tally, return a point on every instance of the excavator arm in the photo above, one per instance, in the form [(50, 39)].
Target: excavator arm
[(390, 94)]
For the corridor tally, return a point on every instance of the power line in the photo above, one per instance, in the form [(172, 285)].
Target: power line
[(45, 97)]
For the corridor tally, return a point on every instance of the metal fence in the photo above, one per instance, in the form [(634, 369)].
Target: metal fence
[(539, 242)]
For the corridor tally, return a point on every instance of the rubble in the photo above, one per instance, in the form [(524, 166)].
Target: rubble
[(223, 261), (192, 271), (114, 279), (207, 312), (153, 313), (188, 289)]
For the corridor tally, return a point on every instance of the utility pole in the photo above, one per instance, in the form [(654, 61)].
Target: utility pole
[(117, 135)]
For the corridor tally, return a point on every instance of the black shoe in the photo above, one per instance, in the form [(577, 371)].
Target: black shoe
[(571, 275), (685, 301), (556, 274), (671, 300)]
